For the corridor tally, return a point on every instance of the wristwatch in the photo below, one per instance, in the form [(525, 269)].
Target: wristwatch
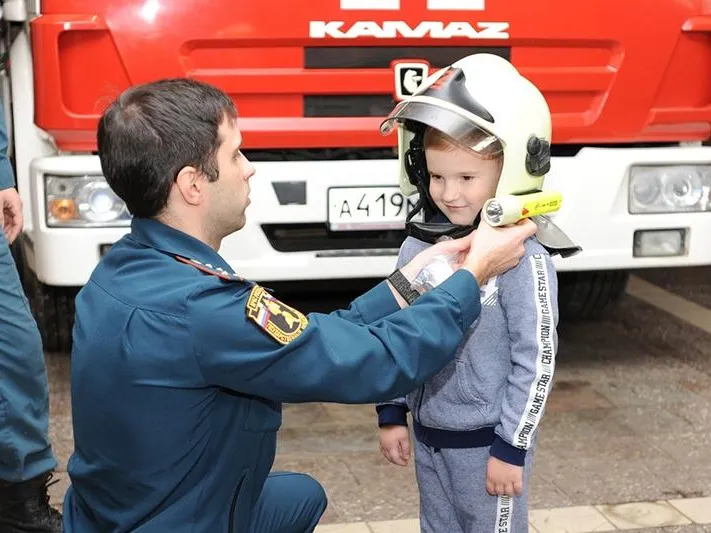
[(402, 286)]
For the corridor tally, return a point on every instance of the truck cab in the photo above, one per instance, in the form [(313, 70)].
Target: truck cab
[(628, 85)]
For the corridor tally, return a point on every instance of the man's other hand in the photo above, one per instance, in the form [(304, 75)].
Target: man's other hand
[(10, 213)]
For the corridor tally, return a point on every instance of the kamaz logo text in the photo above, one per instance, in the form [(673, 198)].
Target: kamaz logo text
[(391, 29), (394, 5)]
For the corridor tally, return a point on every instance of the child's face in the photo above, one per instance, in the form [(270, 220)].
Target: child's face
[(461, 181)]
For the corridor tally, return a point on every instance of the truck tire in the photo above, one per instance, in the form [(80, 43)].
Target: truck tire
[(52, 307), (590, 295)]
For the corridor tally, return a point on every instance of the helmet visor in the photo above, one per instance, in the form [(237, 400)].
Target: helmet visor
[(459, 128)]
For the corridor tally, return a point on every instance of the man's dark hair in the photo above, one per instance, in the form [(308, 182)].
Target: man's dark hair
[(152, 131)]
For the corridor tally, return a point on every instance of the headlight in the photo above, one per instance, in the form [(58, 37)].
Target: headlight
[(83, 201), (669, 189)]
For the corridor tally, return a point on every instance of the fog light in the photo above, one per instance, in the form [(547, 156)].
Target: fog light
[(660, 243)]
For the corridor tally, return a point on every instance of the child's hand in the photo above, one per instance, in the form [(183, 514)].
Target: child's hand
[(395, 444), (502, 478)]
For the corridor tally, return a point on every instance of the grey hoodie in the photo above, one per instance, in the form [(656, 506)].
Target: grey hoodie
[(503, 370)]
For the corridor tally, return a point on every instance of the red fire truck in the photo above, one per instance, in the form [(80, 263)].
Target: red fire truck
[(628, 83)]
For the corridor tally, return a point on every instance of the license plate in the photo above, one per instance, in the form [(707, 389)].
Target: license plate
[(367, 208)]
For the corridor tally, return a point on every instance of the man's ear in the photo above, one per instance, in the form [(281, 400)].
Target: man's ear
[(191, 185)]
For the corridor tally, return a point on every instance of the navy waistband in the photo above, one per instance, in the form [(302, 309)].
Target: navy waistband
[(447, 438)]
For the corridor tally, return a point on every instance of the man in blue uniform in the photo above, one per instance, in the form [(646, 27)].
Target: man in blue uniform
[(180, 366), (26, 458)]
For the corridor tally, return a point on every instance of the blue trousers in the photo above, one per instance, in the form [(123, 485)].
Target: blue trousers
[(25, 451), (289, 503)]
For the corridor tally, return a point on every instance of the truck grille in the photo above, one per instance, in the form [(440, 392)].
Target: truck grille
[(370, 105), (317, 237), (383, 56), (374, 57), (321, 154)]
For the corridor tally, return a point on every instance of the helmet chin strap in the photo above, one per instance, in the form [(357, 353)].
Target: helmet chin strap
[(549, 235), (431, 232)]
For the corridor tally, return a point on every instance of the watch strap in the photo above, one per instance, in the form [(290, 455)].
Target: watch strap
[(403, 287)]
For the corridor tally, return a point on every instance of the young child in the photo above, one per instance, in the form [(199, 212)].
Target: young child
[(475, 422)]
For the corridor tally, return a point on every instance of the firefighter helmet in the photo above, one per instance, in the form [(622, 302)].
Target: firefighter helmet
[(485, 105)]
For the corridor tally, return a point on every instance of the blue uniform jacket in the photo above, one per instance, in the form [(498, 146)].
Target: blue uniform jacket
[(7, 176), (179, 368)]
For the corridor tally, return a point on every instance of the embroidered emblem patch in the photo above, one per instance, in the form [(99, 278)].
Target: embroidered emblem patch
[(281, 322)]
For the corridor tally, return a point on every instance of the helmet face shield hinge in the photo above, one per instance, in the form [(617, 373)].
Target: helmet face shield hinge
[(538, 156)]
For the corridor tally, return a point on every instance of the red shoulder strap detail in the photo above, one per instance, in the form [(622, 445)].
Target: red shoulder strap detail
[(209, 269)]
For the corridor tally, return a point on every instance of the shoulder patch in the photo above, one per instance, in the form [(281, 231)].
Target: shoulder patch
[(209, 269), (278, 320)]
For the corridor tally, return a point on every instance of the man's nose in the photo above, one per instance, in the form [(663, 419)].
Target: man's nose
[(249, 170)]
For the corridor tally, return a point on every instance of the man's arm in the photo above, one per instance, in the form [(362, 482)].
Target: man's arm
[(375, 304), (394, 412), (7, 178), (529, 297), (487, 252), (10, 203), (242, 343)]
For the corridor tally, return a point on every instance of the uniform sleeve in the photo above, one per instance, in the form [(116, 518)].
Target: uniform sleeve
[(332, 359), (394, 412), (529, 297), (375, 304), (369, 307), (7, 178)]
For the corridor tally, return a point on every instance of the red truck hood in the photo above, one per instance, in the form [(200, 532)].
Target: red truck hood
[(320, 74)]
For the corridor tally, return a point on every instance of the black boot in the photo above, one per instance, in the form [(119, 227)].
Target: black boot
[(24, 507)]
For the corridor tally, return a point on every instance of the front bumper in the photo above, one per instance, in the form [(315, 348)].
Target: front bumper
[(292, 242)]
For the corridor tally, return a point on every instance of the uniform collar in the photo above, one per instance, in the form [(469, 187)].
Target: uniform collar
[(154, 234)]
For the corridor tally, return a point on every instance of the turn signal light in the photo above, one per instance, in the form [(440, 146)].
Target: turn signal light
[(63, 209)]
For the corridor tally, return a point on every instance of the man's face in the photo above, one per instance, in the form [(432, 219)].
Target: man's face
[(229, 195)]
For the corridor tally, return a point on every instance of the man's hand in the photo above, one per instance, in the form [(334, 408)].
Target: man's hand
[(485, 253), (453, 247), (503, 479), (493, 251), (395, 444), (10, 213)]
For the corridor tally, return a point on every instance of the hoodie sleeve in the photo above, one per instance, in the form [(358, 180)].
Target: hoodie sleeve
[(529, 297), (394, 412)]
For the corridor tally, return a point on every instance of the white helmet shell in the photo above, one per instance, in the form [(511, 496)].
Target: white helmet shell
[(484, 92)]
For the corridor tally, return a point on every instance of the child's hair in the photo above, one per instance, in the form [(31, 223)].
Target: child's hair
[(439, 140)]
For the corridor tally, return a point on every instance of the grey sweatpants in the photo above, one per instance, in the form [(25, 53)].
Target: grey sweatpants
[(453, 497)]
